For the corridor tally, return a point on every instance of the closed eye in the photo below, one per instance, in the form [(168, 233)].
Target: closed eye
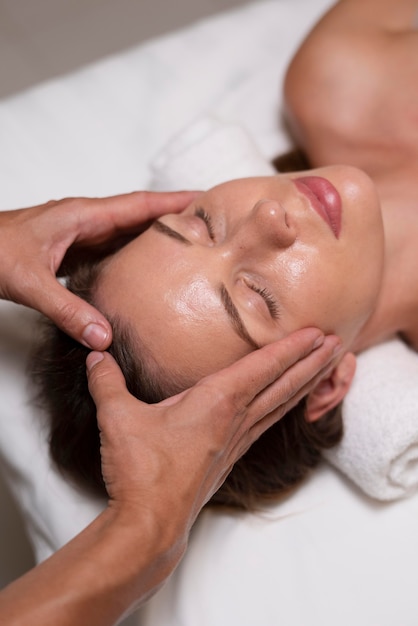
[(203, 215), (270, 301)]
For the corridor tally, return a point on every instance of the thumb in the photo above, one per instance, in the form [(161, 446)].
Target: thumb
[(73, 315), (107, 385)]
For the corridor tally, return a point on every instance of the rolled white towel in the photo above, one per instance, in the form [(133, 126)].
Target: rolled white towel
[(379, 451)]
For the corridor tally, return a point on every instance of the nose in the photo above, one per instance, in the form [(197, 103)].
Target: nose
[(272, 224)]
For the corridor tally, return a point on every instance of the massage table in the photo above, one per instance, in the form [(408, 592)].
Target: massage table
[(334, 553)]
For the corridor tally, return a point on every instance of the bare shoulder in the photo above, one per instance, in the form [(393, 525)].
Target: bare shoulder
[(351, 78), (383, 14)]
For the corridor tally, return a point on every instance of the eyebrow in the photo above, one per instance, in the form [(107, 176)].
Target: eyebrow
[(235, 318), (166, 230), (230, 308)]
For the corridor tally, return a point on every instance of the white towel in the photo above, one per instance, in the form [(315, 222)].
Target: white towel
[(206, 153), (379, 451)]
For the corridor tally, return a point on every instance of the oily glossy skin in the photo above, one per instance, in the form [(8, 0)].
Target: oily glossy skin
[(264, 236)]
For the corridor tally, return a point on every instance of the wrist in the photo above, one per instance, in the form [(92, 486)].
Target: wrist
[(141, 548)]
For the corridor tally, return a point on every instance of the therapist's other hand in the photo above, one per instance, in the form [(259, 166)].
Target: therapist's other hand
[(171, 457), (34, 242)]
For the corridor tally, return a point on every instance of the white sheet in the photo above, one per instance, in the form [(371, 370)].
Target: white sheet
[(326, 557), (337, 557)]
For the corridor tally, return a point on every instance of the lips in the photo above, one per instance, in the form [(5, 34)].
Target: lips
[(324, 198)]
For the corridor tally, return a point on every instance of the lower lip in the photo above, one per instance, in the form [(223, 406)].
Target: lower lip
[(324, 198)]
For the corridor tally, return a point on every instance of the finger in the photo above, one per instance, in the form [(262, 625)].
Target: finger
[(107, 385), (253, 373), (153, 204), (263, 412), (294, 385), (301, 374), (73, 315), (105, 217)]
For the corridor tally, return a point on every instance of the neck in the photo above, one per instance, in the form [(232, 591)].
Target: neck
[(396, 312)]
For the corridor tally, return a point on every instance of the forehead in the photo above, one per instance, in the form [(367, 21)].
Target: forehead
[(172, 306)]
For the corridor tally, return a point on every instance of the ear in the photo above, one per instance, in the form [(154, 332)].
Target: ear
[(332, 390)]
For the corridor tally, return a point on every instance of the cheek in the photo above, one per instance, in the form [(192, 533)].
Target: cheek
[(320, 290), (302, 287)]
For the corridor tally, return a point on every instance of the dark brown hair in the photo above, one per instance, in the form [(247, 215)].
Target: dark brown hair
[(274, 464)]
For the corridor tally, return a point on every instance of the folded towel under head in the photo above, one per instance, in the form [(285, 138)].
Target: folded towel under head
[(205, 154), (379, 450)]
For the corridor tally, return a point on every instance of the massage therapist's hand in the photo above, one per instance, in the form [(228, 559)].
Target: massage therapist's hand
[(168, 459), (34, 241)]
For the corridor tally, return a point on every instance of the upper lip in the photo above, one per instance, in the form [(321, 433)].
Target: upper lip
[(324, 199)]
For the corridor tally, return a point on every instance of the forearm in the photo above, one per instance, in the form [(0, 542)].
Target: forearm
[(161, 463), (104, 573)]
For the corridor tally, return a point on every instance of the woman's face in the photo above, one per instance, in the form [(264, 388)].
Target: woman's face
[(247, 263)]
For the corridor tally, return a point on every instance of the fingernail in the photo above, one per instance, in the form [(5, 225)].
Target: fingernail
[(318, 342), (334, 343), (93, 359), (95, 336)]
